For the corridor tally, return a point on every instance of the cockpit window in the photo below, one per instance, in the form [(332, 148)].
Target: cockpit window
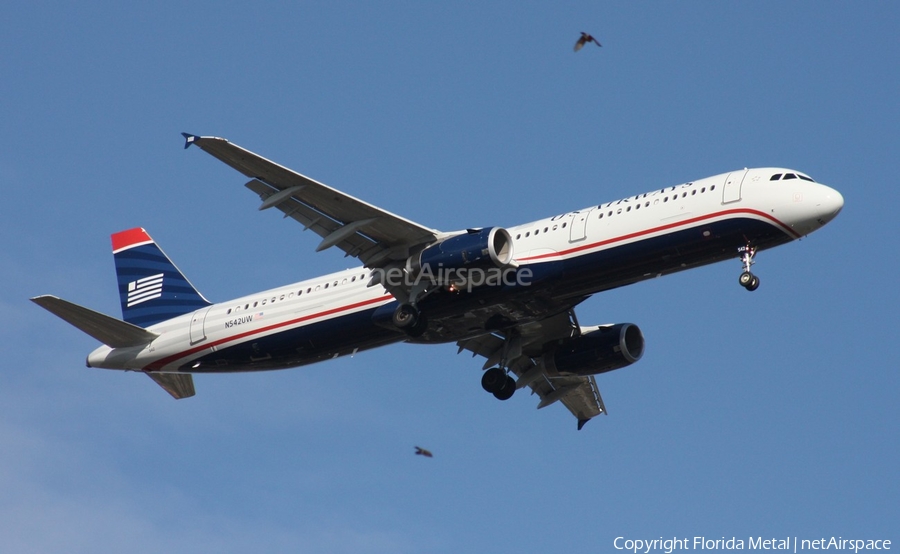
[(778, 177)]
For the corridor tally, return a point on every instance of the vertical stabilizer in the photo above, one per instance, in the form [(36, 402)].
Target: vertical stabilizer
[(151, 288)]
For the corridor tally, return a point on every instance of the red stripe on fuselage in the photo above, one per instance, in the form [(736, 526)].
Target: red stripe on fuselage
[(666, 227), (159, 364)]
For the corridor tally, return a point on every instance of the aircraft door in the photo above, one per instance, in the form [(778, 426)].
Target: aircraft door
[(731, 192), (578, 225), (198, 325)]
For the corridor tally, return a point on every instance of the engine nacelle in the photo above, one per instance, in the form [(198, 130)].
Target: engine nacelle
[(607, 348), (482, 248)]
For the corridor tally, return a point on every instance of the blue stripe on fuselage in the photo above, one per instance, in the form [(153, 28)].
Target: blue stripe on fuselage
[(563, 280)]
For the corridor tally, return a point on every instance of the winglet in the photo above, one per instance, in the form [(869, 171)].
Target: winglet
[(189, 139)]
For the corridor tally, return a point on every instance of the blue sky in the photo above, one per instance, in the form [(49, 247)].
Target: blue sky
[(764, 414)]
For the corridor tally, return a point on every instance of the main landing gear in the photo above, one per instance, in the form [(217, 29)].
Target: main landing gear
[(748, 280), (497, 382), (410, 320)]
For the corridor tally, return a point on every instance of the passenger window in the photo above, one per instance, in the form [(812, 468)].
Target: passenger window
[(601, 215), (528, 234), (563, 225), (545, 229), (228, 312)]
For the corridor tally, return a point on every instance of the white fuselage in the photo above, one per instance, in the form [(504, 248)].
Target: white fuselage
[(696, 212)]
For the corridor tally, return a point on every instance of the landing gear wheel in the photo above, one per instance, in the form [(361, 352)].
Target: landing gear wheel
[(749, 281), (506, 391), (405, 316), (498, 383), (493, 380), (754, 284)]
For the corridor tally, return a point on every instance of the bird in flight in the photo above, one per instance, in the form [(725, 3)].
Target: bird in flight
[(585, 38), (422, 452)]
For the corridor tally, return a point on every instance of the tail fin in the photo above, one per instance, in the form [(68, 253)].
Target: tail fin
[(151, 288)]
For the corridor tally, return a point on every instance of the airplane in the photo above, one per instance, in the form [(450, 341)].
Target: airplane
[(507, 295)]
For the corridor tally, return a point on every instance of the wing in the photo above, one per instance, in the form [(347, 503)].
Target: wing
[(375, 236), (520, 350)]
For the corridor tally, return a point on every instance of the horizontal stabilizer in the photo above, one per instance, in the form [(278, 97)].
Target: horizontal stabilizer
[(179, 385), (108, 330)]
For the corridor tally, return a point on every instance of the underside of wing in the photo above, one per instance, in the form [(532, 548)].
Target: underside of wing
[(520, 350), (375, 236)]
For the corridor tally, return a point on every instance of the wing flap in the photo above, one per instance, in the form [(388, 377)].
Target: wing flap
[(353, 243)]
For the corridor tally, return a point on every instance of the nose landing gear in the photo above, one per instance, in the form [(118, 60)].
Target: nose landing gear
[(748, 280)]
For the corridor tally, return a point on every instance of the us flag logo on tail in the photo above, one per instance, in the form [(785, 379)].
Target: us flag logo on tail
[(145, 289)]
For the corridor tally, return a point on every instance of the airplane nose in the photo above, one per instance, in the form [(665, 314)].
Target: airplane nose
[(830, 203), (837, 200)]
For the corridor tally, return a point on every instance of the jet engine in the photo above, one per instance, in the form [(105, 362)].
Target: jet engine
[(476, 248), (602, 349)]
